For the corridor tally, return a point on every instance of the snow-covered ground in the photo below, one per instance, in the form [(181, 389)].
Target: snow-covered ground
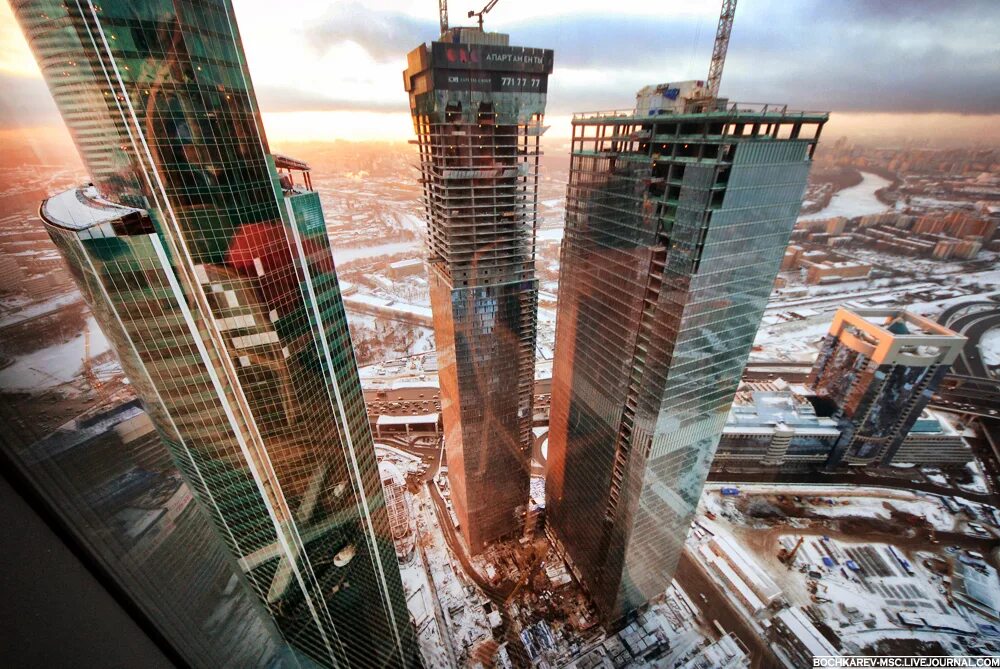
[(978, 484), (54, 365), (989, 347), (989, 279), (862, 589), (878, 507), (22, 313), (550, 234), (342, 254), (857, 200)]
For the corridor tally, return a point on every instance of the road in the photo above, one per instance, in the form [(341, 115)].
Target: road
[(970, 388), (693, 579), (974, 326)]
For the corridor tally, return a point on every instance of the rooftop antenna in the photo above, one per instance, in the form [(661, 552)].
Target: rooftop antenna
[(489, 5), (721, 46), (443, 15)]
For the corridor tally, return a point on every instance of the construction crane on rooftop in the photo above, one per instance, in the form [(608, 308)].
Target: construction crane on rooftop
[(443, 15), (485, 10), (721, 46)]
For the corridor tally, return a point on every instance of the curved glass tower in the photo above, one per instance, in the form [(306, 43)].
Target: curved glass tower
[(206, 261)]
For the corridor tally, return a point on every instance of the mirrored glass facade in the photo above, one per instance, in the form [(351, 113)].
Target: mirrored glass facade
[(109, 477), (675, 229), (477, 106), (208, 267)]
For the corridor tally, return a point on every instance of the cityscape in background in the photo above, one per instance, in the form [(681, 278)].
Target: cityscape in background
[(703, 384)]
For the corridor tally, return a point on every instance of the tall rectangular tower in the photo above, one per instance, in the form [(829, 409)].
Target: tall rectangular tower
[(209, 269), (477, 106), (879, 367), (677, 217)]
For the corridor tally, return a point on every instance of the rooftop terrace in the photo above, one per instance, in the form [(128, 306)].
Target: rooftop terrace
[(82, 208)]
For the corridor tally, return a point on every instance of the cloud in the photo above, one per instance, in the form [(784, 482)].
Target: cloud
[(933, 57), (286, 99), (385, 35), (851, 56), (854, 55)]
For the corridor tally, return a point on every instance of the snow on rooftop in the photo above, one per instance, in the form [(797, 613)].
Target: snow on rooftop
[(738, 584), (400, 264), (82, 208), (748, 567), (430, 382), (430, 418), (388, 471), (806, 632)]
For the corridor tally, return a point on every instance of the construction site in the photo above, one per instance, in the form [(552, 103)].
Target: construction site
[(842, 570)]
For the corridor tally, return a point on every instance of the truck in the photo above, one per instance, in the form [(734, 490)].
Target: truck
[(730, 491)]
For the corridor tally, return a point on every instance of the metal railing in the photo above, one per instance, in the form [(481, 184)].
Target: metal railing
[(756, 108)]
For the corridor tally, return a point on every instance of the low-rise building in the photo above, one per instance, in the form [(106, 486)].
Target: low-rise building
[(404, 268), (974, 584), (799, 638), (726, 653), (781, 429), (408, 425), (746, 567)]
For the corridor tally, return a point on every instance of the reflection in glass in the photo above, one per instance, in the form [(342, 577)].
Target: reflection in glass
[(675, 228), (206, 262)]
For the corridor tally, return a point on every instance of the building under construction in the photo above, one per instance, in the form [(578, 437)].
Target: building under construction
[(879, 367), (678, 213), (477, 106)]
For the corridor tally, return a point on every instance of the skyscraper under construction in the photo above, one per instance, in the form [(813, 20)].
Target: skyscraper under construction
[(205, 259), (477, 105), (677, 217)]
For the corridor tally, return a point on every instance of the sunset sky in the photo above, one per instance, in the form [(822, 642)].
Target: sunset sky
[(332, 70)]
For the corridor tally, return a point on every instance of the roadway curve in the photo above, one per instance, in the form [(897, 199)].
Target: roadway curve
[(973, 326), (970, 388)]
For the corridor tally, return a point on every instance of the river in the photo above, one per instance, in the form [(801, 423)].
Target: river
[(857, 200)]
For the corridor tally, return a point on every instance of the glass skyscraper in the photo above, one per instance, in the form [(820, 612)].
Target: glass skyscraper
[(677, 218), (206, 262), (477, 105), (110, 479)]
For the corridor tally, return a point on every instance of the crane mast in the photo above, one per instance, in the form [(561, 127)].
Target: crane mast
[(721, 46), (443, 15)]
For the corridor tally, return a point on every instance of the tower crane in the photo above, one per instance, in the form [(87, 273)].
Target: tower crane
[(485, 10), (718, 51), (443, 15)]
